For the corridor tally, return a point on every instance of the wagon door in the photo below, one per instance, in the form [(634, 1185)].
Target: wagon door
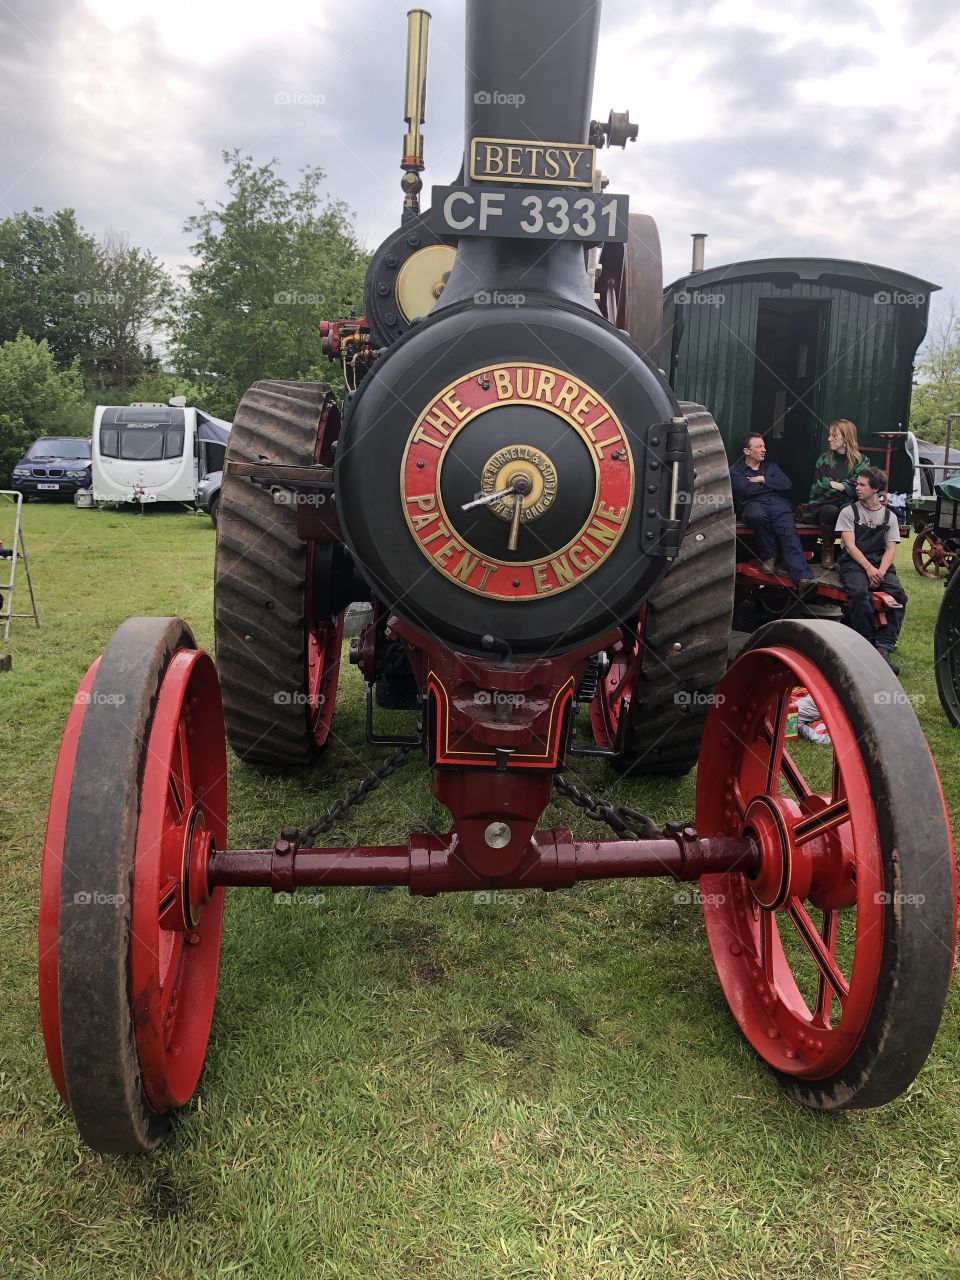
[(788, 383)]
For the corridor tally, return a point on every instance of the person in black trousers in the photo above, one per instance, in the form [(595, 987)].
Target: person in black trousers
[(758, 498), (870, 532)]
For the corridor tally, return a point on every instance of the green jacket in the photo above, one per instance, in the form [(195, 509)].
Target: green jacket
[(825, 471)]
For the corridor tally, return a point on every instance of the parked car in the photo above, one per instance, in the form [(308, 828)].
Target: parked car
[(208, 494), (53, 467)]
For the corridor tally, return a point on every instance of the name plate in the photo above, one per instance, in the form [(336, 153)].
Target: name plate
[(546, 164)]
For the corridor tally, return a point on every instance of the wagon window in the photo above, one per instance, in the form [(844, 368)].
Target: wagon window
[(141, 446), (215, 454), (173, 445), (109, 442)]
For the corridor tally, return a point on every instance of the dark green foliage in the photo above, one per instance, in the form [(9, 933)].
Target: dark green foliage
[(93, 301), (36, 398), (134, 289), (270, 263), (937, 392), (48, 270)]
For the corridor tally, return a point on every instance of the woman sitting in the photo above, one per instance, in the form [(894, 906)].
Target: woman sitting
[(833, 482)]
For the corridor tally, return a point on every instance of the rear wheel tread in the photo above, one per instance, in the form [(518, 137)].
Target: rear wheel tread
[(260, 581), (693, 606)]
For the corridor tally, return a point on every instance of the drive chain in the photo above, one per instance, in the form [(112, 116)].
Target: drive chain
[(356, 795), (622, 820)]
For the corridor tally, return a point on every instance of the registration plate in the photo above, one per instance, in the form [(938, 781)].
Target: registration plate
[(544, 214), (47, 486)]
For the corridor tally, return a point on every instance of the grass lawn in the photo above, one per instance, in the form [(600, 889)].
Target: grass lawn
[(545, 1086)]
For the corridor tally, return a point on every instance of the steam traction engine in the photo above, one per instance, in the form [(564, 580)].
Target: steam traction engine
[(541, 528)]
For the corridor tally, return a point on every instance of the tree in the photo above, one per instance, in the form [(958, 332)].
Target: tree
[(36, 398), (159, 387), (937, 393), (272, 261), (133, 290), (49, 269), (93, 301)]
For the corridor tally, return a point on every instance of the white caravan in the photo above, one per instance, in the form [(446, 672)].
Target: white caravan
[(154, 452)]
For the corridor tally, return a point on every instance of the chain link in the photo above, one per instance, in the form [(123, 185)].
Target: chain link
[(622, 821), (357, 795)]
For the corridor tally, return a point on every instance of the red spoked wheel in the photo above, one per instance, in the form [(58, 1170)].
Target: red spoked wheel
[(323, 672), (324, 638), (932, 556), (138, 801), (324, 647), (177, 923), (615, 691), (835, 957)]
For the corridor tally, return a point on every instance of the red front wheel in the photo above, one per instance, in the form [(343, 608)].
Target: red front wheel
[(176, 922), (129, 935), (836, 956)]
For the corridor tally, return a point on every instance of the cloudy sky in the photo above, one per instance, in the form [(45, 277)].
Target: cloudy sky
[(821, 128)]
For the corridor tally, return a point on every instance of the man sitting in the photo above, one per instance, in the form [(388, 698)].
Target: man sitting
[(870, 532), (758, 489)]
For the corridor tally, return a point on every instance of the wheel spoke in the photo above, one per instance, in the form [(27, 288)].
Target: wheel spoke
[(818, 824), (615, 692), (168, 908), (818, 948), (837, 786), (170, 975), (795, 779), (777, 734), (738, 800), (767, 927), (184, 753), (828, 935), (177, 796)]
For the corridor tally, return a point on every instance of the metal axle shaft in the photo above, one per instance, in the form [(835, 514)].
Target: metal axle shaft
[(434, 864)]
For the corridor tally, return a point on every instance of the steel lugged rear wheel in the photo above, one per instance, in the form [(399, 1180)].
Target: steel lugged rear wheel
[(278, 666), (835, 958), (138, 800), (631, 285), (946, 647), (653, 700)]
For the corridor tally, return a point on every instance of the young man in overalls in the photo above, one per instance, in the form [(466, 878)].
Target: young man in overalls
[(870, 532)]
